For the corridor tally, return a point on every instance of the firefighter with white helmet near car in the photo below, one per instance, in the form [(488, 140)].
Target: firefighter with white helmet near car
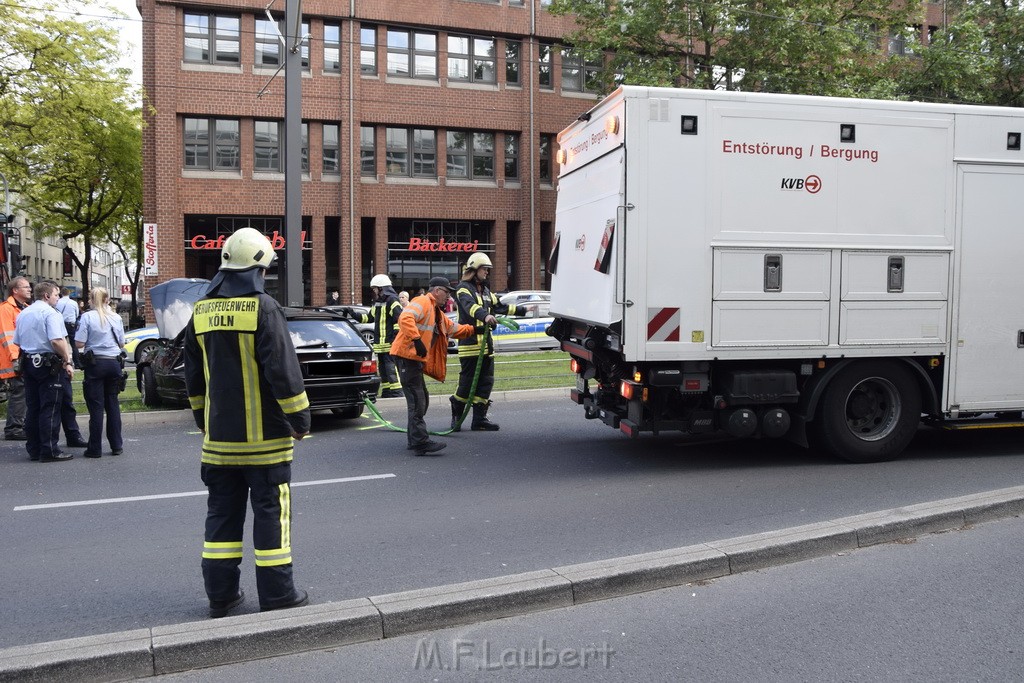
[(384, 316), (247, 395), (477, 307)]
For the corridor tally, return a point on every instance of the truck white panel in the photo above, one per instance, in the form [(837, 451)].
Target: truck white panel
[(866, 276), (988, 369), (893, 322), (769, 323), (742, 274)]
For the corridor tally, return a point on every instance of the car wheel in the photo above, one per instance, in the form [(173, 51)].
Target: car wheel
[(368, 336), (869, 413), (147, 386), (349, 413), (144, 347)]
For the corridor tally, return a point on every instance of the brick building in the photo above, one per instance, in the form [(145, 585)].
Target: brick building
[(424, 124)]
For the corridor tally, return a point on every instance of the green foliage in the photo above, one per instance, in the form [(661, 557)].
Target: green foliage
[(821, 47), (72, 136)]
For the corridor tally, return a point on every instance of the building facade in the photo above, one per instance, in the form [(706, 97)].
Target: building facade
[(428, 132)]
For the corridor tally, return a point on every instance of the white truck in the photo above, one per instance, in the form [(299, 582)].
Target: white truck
[(833, 271)]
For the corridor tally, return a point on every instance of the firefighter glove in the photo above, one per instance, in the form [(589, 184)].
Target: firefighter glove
[(421, 350)]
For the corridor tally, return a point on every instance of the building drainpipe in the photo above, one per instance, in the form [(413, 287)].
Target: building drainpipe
[(533, 161), (353, 155)]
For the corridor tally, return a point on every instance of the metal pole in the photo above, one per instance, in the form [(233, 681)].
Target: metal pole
[(290, 279)]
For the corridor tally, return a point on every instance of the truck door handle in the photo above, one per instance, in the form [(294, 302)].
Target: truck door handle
[(895, 274), (773, 272)]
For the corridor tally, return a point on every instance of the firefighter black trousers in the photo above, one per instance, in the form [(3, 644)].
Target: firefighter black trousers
[(483, 385), (269, 491)]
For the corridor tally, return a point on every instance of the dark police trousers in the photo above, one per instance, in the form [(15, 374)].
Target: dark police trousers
[(270, 493), (102, 379), (44, 394)]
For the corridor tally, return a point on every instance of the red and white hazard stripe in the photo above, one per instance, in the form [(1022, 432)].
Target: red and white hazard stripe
[(663, 324)]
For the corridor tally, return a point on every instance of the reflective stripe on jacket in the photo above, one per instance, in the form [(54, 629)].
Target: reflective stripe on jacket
[(244, 381), (423, 320)]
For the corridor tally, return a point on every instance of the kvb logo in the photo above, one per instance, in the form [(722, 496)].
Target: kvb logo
[(811, 183)]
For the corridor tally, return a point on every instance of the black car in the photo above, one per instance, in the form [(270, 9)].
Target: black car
[(337, 364)]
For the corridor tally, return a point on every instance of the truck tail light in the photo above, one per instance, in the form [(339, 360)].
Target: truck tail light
[(368, 367), (575, 366), (628, 390)]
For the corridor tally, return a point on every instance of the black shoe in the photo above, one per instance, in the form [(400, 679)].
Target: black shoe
[(15, 436), (34, 458), (116, 451), (429, 448), (91, 454), (220, 608), (78, 443), (298, 600), (60, 457)]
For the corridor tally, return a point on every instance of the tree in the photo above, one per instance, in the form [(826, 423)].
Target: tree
[(72, 135), (822, 47), (978, 57)]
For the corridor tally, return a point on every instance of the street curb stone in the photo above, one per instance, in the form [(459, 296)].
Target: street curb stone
[(166, 649)]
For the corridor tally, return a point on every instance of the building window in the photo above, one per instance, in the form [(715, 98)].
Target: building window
[(516, 3), (579, 75), (411, 152), (513, 50), (331, 149), (470, 155), (904, 42), (225, 147), (368, 150), (368, 50), (472, 59), (212, 38), (511, 156), (268, 44), (545, 157), (544, 65), (412, 54), (268, 146), (332, 47)]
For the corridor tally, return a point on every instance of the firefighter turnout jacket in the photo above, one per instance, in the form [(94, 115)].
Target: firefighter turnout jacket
[(244, 381), (475, 304), (384, 316)]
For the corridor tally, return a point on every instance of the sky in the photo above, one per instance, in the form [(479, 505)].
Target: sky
[(130, 31)]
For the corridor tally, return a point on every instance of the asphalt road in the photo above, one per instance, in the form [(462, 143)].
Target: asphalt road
[(943, 608), (549, 489)]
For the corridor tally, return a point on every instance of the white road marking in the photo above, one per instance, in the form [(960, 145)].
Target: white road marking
[(186, 494)]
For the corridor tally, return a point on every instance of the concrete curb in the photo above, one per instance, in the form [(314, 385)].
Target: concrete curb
[(167, 649)]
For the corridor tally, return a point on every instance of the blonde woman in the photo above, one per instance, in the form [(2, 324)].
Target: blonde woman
[(100, 335)]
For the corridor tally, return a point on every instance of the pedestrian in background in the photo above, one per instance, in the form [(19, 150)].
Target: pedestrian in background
[(403, 298), (69, 310), (47, 370), (100, 338), (20, 291), (247, 396), (421, 348), (477, 306)]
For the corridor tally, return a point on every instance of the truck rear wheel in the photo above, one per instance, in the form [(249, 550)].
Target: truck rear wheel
[(869, 413)]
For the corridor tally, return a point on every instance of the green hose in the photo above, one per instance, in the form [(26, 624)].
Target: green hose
[(506, 322)]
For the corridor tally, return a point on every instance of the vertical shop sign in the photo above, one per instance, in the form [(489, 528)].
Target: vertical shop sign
[(149, 249)]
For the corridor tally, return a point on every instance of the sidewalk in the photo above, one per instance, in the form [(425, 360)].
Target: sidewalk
[(153, 651)]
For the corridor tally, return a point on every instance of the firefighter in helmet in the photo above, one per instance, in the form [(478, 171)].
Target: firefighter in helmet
[(246, 392), (477, 307), (384, 316)]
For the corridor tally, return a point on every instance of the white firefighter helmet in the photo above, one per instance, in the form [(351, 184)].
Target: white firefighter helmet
[(381, 281), (246, 248), (476, 260)]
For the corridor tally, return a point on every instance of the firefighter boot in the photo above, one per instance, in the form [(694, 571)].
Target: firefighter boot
[(480, 421), (457, 408)]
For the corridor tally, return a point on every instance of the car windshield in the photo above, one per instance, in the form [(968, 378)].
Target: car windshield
[(307, 334)]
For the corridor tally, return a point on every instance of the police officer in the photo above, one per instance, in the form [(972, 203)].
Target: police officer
[(68, 310), (477, 306), (47, 371), (100, 336), (246, 392)]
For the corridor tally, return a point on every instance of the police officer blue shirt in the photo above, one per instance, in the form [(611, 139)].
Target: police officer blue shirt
[(105, 341), (36, 326), (68, 309)]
